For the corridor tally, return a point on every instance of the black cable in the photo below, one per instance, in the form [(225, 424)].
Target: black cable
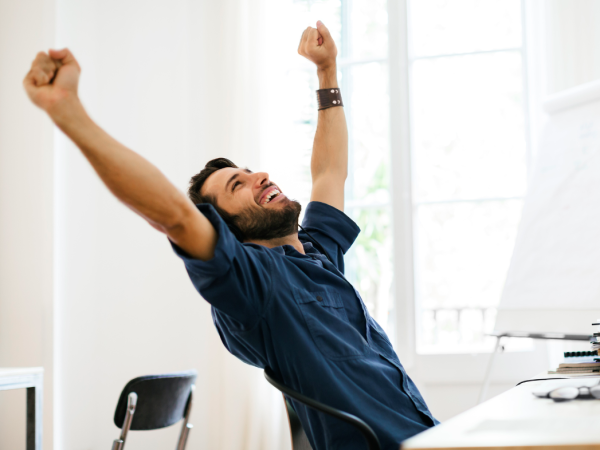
[(540, 379)]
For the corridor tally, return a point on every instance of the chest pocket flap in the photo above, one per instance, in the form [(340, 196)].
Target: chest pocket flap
[(328, 324), (326, 299)]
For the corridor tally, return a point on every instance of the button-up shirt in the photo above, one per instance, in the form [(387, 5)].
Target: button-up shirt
[(297, 314)]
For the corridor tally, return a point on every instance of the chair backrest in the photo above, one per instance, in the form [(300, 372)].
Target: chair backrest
[(299, 439), (161, 400), (370, 437)]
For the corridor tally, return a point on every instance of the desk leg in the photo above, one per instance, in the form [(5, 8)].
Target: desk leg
[(34, 417), (488, 374)]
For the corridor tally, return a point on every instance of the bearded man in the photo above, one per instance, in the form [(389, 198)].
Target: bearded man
[(279, 296)]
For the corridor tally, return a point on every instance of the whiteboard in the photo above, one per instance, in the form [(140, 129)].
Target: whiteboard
[(553, 282)]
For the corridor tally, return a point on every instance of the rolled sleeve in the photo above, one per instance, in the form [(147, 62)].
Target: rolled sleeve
[(334, 230), (224, 251), (236, 279), (330, 221)]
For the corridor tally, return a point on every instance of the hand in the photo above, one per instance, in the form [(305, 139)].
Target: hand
[(53, 78), (316, 45)]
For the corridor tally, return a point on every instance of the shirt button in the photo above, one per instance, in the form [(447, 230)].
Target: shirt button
[(319, 298)]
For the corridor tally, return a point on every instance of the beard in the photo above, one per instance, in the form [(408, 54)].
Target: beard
[(268, 224)]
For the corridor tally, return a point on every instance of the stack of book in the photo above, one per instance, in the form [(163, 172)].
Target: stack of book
[(594, 340), (580, 364)]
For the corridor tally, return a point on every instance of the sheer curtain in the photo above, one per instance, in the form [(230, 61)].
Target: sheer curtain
[(240, 99)]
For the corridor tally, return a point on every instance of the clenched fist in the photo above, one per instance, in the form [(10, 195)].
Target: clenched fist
[(53, 78), (317, 46)]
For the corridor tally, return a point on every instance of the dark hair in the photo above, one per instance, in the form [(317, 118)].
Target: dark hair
[(196, 183)]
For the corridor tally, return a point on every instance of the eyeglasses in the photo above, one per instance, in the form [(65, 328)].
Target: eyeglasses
[(567, 393)]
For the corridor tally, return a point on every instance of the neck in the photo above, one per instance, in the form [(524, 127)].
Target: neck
[(291, 239)]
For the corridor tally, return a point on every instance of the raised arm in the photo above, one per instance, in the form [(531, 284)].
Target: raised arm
[(52, 85), (329, 162)]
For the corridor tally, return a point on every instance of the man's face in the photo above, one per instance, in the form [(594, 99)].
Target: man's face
[(256, 205)]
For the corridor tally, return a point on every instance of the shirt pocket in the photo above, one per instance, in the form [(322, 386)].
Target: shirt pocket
[(328, 324)]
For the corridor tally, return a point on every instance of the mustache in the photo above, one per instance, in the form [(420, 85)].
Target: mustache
[(268, 185)]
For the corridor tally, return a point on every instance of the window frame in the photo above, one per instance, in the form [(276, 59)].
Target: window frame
[(403, 316), (344, 65), (406, 311)]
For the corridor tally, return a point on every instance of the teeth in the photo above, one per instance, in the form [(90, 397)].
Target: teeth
[(271, 194)]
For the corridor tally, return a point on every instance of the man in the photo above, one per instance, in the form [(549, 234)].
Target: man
[(279, 297)]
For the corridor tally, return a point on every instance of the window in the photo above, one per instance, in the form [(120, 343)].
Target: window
[(469, 164), (467, 152)]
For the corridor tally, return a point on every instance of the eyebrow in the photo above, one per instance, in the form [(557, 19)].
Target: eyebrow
[(234, 176)]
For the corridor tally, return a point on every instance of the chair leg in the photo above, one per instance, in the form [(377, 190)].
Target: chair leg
[(119, 444), (185, 432), (187, 426)]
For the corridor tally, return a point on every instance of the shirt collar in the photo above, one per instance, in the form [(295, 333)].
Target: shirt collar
[(309, 248), (290, 250)]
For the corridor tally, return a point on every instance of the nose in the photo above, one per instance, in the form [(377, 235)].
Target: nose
[(261, 179)]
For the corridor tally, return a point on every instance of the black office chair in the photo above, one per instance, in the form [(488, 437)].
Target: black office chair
[(299, 438), (156, 401)]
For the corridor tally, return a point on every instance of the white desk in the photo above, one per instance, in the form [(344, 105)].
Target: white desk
[(517, 420), (32, 379)]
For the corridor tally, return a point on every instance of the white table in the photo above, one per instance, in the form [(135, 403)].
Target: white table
[(517, 419), (32, 379)]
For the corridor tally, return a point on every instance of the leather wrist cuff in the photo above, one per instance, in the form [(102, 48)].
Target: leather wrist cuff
[(328, 98)]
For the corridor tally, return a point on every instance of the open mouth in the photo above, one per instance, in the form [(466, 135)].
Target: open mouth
[(274, 193), (271, 195)]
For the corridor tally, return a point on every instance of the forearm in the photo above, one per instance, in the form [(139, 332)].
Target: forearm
[(52, 84), (131, 178), (329, 162), (330, 148)]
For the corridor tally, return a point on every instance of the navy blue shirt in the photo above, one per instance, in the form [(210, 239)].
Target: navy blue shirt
[(298, 315)]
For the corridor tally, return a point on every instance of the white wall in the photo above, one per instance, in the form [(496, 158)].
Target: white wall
[(25, 213), (125, 306), (176, 81)]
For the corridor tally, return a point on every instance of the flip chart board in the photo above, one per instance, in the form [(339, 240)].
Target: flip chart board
[(553, 282)]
